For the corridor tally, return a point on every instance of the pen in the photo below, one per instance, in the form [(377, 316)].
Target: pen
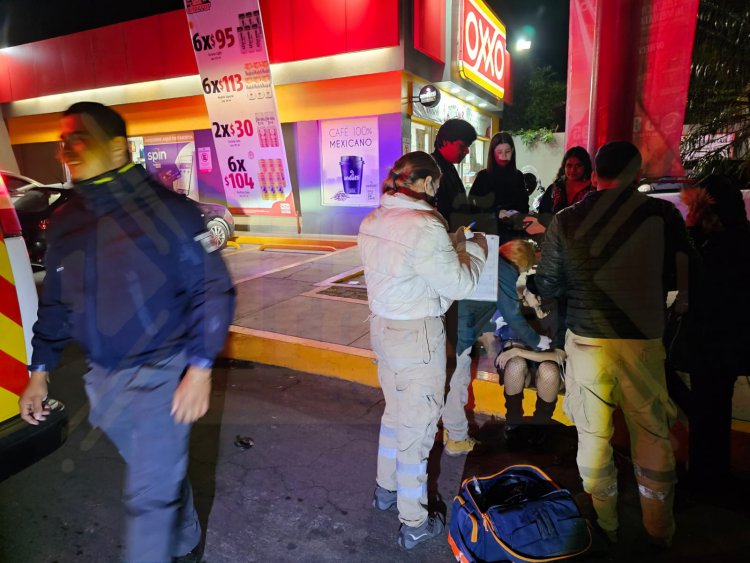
[(469, 226)]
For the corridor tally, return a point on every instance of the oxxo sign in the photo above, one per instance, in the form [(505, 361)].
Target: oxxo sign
[(482, 53)]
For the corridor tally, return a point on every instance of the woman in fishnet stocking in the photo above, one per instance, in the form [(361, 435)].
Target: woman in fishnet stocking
[(528, 355)]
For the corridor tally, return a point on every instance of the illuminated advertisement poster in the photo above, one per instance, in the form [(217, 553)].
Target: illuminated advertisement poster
[(171, 159), (350, 174), (230, 49)]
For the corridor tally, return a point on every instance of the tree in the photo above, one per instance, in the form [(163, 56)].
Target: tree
[(719, 95), (539, 102)]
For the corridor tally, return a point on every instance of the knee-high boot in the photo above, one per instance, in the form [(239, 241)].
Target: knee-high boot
[(543, 411), (513, 408)]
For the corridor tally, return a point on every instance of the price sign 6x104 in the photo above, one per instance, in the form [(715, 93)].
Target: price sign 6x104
[(238, 177), (220, 38), (238, 180), (230, 83)]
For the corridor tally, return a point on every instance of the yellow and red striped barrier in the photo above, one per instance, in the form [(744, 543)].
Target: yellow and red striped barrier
[(13, 358)]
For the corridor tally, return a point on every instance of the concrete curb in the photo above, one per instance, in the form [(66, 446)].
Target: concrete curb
[(354, 364)]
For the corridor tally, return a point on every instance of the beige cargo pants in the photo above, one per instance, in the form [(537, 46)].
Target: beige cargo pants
[(602, 374), (411, 369)]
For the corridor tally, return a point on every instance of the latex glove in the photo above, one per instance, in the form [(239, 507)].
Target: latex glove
[(31, 404), (544, 342), (192, 396), (499, 323)]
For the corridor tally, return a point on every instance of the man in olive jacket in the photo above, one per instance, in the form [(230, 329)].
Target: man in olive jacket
[(613, 256)]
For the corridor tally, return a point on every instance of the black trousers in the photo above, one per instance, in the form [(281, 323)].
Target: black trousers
[(712, 386)]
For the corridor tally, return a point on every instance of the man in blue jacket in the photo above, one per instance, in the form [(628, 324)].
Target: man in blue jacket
[(134, 277)]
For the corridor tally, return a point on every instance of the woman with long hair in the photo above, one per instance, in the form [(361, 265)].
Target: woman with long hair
[(413, 270), (719, 315), (499, 192), (572, 184), (530, 355)]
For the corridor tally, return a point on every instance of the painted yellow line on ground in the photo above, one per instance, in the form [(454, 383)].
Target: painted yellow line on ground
[(300, 247), (260, 239)]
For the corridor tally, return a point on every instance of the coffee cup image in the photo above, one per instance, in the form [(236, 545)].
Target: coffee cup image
[(351, 173)]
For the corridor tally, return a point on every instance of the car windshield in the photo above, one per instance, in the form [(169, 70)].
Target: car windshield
[(34, 201), (15, 184)]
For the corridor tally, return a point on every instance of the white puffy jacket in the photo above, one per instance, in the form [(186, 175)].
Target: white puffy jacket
[(412, 269)]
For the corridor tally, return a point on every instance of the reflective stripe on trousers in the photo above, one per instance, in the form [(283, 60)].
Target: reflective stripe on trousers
[(602, 374), (411, 371)]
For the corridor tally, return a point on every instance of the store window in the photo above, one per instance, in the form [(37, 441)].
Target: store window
[(473, 163), (423, 139)]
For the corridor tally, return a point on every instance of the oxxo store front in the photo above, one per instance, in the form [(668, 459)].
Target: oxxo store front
[(344, 76)]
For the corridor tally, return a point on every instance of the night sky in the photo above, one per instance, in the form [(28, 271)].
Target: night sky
[(549, 21), (26, 21)]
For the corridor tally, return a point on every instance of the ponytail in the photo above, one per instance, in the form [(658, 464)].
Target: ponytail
[(408, 169)]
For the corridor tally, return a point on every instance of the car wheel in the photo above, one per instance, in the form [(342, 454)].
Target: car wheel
[(220, 230)]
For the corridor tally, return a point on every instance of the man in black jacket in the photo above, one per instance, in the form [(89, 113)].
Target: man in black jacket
[(135, 278), (452, 143), (613, 256)]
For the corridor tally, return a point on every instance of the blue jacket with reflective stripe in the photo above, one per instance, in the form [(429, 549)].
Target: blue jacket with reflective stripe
[(128, 280)]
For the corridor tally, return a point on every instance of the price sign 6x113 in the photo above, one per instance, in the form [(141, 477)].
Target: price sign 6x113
[(230, 83)]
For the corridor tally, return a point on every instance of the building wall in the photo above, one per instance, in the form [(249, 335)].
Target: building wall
[(320, 219), (545, 158)]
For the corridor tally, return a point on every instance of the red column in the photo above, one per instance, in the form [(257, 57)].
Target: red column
[(614, 72), (628, 75)]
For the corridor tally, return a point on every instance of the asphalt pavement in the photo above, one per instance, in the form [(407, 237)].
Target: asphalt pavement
[(302, 492)]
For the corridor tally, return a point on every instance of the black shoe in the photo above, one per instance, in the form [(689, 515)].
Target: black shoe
[(193, 556)]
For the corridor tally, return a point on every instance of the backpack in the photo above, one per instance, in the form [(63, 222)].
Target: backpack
[(519, 515)]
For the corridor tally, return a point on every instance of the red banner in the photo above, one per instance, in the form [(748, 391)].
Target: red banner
[(628, 76), (665, 51), (580, 64)]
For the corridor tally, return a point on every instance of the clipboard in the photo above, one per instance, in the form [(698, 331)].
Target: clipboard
[(486, 289)]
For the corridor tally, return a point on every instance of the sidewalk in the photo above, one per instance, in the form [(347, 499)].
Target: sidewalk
[(308, 311)]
